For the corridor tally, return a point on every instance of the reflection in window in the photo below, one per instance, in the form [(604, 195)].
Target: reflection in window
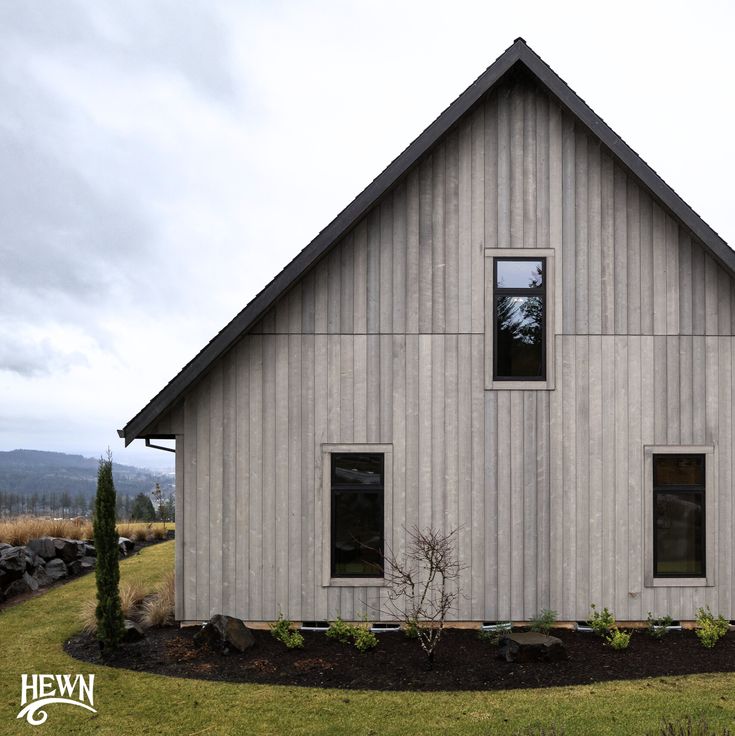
[(357, 514), (520, 320), (678, 516)]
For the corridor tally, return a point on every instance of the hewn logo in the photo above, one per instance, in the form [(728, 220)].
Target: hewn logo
[(38, 691)]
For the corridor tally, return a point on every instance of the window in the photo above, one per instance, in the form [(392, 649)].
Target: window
[(679, 516), (357, 482), (680, 512), (519, 319)]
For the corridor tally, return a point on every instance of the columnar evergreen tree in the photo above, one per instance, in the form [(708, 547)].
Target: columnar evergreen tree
[(110, 627)]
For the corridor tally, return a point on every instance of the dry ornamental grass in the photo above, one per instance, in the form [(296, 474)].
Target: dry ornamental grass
[(20, 529)]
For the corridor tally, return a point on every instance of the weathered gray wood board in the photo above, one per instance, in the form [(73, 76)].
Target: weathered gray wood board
[(383, 341)]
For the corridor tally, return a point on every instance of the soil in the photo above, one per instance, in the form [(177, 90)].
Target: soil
[(463, 662)]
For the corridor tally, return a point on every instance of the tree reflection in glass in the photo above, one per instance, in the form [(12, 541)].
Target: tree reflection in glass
[(519, 324)]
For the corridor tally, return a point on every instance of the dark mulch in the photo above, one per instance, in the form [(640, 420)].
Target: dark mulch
[(463, 662)]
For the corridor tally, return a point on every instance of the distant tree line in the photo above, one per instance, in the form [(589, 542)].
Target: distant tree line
[(137, 507)]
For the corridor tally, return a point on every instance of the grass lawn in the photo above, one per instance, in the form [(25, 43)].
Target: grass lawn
[(31, 637)]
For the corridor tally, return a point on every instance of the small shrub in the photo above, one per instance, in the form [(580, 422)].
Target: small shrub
[(710, 629), (657, 628), (361, 636), (340, 631), (493, 636), (618, 639), (282, 631), (601, 623), (543, 621), (364, 639), (411, 629), (158, 609)]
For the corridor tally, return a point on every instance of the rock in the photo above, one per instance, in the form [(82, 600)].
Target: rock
[(126, 545), (531, 647), (13, 562), (89, 550), (225, 632), (33, 561), (25, 584), (44, 547), (66, 549), (88, 563), (56, 569), (42, 577), (133, 632), (4, 545), (74, 567)]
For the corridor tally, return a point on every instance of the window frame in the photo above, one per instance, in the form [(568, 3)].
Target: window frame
[(326, 516), (651, 580), (521, 292), (547, 383)]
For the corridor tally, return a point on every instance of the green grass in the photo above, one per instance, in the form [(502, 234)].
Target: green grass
[(31, 637)]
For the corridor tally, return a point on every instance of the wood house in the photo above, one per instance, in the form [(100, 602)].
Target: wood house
[(517, 330)]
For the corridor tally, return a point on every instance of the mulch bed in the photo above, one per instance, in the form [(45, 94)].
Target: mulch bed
[(463, 662)]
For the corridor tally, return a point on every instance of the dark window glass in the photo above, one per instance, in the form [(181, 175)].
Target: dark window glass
[(357, 514), (678, 511), (520, 319)]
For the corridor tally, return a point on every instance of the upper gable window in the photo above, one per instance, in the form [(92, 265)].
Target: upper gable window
[(519, 319)]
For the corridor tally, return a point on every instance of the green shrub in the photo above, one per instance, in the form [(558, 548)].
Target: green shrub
[(543, 621), (493, 636), (282, 631), (411, 630), (361, 636), (340, 631), (364, 639), (658, 627), (601, 623), (618, 639), (709, 628)]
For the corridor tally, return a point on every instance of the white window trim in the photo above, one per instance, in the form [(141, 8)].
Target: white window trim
[(326, 468), (550, 335), (710, 515)]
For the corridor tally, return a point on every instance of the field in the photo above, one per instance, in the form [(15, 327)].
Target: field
[(32, 634)]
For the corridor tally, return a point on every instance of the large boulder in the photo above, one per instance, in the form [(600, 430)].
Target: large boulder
[(56, 569), (531, 647), (88, 563), (225, 632), (13, 562), (133, 631), (4, 545), (33, 561), (42, 577), (43, 547), (126, 545), (74, 567), (24, 584), (66, 549), (89, 550)]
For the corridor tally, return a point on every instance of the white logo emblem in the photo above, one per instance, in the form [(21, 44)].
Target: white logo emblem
[(38, 691)]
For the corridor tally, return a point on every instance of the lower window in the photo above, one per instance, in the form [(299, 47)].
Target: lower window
[(357, 498), (679, 516)]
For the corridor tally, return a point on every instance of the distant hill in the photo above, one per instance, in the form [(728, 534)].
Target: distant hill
[(26, 472)]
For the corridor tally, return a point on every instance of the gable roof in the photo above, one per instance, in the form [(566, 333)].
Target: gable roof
[(517, 55)]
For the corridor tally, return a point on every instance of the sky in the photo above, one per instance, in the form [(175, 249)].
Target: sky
[(163, 159)]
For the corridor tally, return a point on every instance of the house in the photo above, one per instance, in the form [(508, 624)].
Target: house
[(517, 330)]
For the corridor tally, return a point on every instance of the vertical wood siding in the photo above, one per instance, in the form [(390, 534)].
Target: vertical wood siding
[(382, 341)]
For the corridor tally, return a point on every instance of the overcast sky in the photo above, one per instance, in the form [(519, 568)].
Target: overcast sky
[(162, 159)]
